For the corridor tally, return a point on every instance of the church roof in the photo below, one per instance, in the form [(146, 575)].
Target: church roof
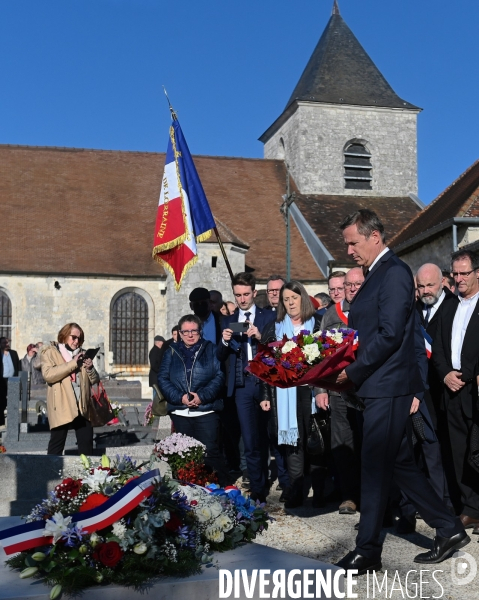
[(459, 200), (324, 213), (341, 72), (67, 211)]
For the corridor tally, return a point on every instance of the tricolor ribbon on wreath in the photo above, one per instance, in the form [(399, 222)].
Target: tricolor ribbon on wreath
[(32, 535)]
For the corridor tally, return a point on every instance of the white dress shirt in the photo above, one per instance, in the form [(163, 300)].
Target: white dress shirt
[(8, 369), (379, 256), (242, 318), (461, 321), (434, 307)]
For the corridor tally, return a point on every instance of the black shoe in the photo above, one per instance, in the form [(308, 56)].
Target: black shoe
[(353, 560), (318, 501), (258, 497), (285, 494), (245, 478), (279, 487), (356, 527), (406, 525), (293, 502), (443, 548)]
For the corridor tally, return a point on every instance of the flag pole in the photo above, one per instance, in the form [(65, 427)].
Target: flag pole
[(215, 229)]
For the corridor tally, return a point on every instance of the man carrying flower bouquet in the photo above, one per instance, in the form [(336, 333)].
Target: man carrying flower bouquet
[(386, 376), (236, 349)]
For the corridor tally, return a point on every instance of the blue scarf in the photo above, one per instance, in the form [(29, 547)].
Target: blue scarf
[(286, 399)]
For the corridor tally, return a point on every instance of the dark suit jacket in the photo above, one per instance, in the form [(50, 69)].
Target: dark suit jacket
[(441, 354), (384, 314), (230, 354), (156, 356), (434, 395)]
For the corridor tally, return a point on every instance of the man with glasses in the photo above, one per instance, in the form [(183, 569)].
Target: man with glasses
[(344, 418), (273, 288), (336, 285), (455, 352)]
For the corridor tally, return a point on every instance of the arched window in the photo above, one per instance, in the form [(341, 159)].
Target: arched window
[(5, 316), (357, 167), (129, 330)]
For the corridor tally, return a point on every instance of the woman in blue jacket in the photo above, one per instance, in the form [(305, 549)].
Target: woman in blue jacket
[(191, 380)]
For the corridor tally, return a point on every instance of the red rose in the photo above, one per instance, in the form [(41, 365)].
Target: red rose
[(174, 523), (93, 501), (109, 554), (68, 488)]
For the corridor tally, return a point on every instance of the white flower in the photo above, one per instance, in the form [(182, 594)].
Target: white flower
[(56, 526), (203, 514), (337, 336), (214, 534), (288, 346), (95, 539), (140, 548), (119, 529), (311, 351), (215, 508), (97, 478), (224, 522)]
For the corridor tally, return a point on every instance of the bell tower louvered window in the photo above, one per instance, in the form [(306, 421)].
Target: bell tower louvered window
[(357, 167)]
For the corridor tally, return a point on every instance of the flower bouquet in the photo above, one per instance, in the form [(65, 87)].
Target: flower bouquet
[(118, 414), (306, 358), (148, 417), (181, 452), (119, 523)]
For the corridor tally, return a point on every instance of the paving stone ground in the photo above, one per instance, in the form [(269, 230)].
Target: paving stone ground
[(325, 535)]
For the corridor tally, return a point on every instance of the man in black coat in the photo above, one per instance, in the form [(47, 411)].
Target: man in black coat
[(387, 378), (455, 353), (155, 356)]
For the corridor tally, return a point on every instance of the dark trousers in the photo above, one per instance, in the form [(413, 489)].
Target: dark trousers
[(386, 457), (297, 457), (345, 447), (205, 429), (280, 459), (230, 434), (3, 398), (460, 426), (84, 435), (254, 432)]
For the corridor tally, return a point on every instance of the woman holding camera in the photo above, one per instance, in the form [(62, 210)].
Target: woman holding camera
[(69, 375), (294, 406), (191, 380)]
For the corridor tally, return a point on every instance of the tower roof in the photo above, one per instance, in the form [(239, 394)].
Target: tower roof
[(341, 72)]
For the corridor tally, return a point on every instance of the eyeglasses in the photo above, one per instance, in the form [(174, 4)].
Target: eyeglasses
[(462, 273), (190, 332), (336, 290), (358, 285), (74, 337), (273, 291)]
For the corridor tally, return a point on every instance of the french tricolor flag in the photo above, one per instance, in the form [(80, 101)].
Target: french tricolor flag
[(184, 216)]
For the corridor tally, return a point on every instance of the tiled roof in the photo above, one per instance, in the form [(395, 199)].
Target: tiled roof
[(76, 211), (325, 213), (341, 72), (460, 199)]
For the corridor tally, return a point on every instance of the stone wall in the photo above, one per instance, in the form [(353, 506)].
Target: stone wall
[(314, 138)]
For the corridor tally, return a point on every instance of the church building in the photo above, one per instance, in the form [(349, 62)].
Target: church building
[(78, 224)]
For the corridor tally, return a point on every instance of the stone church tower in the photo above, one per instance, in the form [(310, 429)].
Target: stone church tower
[(344, 130)]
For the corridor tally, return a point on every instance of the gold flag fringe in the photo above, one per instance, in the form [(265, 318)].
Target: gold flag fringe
[(191, 263)]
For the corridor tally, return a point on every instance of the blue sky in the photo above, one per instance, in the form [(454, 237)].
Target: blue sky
[(88, 73)]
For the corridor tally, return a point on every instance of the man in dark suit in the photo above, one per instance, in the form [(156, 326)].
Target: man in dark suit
[(386, 376), (200, 304), (236, 350), (155, 356), (10, 366), (455, 353), (433, 300)]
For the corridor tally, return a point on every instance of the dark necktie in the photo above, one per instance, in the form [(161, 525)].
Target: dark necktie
[(247, 315), (428, 314)]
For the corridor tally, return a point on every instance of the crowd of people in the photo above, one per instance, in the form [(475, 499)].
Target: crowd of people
[(400, 432)]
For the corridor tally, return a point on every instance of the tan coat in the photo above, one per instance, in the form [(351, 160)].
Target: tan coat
[(62, 406)]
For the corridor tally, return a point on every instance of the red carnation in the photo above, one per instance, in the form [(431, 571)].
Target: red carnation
[(109, 553), (68, 488), (174, 523), (93, 501)]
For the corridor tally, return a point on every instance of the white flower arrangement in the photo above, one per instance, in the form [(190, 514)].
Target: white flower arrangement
[(288, 346)]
